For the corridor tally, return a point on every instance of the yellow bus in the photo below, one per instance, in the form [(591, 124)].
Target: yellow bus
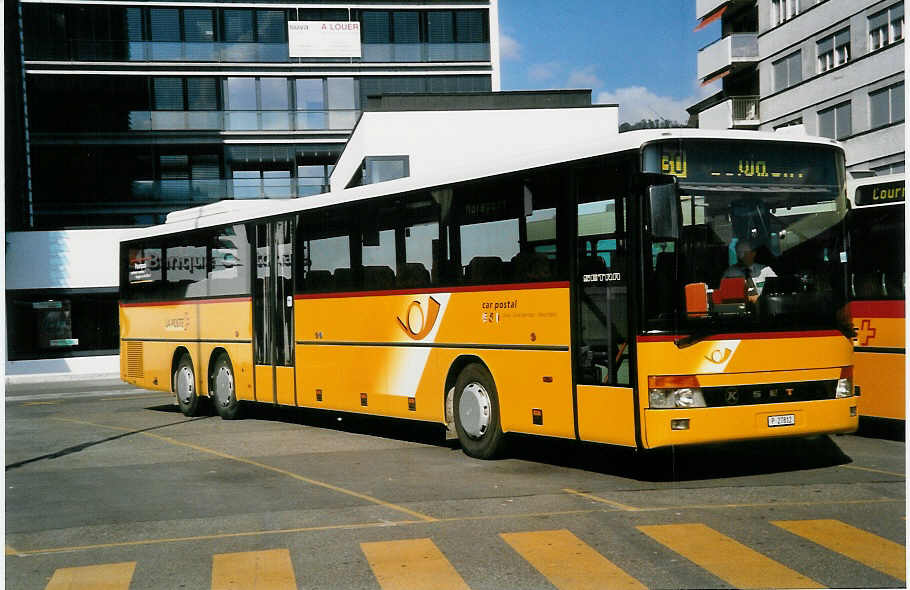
[(590, 292), (877, 278)]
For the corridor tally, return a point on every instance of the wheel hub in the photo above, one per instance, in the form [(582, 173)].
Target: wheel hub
[(474, 410), (224, 386), (185, 389)]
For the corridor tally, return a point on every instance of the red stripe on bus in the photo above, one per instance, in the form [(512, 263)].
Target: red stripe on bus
[(746, 336), (877, 309), (185, 302), (470, 289)]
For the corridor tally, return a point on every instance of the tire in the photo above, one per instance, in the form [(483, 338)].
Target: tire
[(224, 391), (477, 413), (184, 380)]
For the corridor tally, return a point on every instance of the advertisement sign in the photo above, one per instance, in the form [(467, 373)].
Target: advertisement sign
[(324, 39)]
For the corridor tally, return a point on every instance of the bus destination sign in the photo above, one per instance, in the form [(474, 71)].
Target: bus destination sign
[(879, 194)]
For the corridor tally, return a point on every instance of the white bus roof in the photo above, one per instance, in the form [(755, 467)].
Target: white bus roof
[(445, 147)]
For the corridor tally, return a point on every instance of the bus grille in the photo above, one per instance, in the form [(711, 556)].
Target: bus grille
[(134, 366), (744, 395)]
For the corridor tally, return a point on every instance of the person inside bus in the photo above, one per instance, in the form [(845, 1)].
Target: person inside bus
[(755, 273)]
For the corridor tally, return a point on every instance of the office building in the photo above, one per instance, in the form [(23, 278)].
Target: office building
[(127, 111), (835, 67)]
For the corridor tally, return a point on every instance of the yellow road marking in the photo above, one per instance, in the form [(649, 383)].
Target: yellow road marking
[(568, 562), (602, 500), (113, 576), (290, 474), (727, 559), (871, 550), (253, 570), (40, 403), (11, 551), (873, 470), (415, 564)]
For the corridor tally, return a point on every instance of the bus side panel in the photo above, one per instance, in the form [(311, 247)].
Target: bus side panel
[(880, 372), (152, 333), (881, 380), (606, 414), (228, 324), (739, 362)]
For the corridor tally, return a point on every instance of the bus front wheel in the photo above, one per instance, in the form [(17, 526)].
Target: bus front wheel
[(477, 413), (185, 387), (223, 386)]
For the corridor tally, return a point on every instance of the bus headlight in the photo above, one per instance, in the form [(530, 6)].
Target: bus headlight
[(845, 383), (685, 397)]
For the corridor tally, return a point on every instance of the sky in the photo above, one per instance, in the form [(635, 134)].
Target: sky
[(640, 54)]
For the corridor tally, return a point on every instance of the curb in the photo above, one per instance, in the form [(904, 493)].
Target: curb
[(37, 378)]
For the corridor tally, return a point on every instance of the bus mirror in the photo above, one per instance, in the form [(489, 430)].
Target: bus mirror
[(664, 211), (697, 299)]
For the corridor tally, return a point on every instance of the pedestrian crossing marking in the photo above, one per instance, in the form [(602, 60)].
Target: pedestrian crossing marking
[(253, 570), (111, 576), (568, 562), (869, 549), (726, 558), (414, 564)]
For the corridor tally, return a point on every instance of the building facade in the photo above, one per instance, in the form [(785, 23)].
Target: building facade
[(131, 110), (835, 67)]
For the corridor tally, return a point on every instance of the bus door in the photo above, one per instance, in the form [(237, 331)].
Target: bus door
[(602, 343), (273, 313)]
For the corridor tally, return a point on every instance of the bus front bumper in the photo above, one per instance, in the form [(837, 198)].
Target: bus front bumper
[(666, 427)]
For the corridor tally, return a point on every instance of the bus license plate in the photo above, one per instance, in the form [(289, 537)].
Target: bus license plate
[(785, 420)]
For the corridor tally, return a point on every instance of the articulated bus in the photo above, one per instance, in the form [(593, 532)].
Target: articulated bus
[(877, 281), (601, 293)]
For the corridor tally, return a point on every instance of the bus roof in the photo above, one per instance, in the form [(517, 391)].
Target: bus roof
[(854, 184), (444, 147)]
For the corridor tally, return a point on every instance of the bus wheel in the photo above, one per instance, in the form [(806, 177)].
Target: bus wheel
[(185, 387), (477, 413), (226, 403)]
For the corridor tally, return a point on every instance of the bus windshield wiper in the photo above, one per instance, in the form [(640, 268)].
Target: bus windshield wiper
[(696, 336)]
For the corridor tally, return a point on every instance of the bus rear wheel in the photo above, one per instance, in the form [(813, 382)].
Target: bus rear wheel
[(224, 390), (185, 387), (476, 409)]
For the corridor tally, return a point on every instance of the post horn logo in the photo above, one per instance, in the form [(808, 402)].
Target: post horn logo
[(417, 324), (718, 356)]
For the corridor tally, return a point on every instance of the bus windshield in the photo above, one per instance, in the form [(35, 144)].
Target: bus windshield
[(761, 245)]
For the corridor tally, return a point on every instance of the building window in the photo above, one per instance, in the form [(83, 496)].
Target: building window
[(836, 122), (783, 10), (886, 27), (834, 50), (791, 123), (886, 106), (375, 169), (788, 71)]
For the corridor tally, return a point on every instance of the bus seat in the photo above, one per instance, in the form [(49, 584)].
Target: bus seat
[(319, 280), (531, 266), (731, 290), (344, 279), (413, 274), (484, 269), (378, 277)]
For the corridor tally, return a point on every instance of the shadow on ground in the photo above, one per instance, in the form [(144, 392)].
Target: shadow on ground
[(690, 463)]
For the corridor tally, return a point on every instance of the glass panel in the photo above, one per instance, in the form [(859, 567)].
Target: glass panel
[(796, 68), (469, 26), (247, 184), (229, 273), (406, 26), (271, 26), (241, 120), (376, 26), (168, 94), (341, 93), (238, 26), (284, 293), (186, 270), (274, 93), (878, 108), (202, 94), (440, 26), (165, 24), (134, 26), (844, 121), (262, 297), (897, 103), (826, 123), (198, 25), (277, 184), (309, 95), (241, 94)]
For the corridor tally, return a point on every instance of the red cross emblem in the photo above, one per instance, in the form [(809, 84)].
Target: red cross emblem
[(865, 333)]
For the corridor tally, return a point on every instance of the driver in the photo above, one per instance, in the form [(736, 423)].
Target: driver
[(755, 273)]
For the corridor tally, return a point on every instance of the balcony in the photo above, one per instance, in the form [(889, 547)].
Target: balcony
[(706, 7), (312, 120), (223, 52), (726, 53), (734, 113)]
